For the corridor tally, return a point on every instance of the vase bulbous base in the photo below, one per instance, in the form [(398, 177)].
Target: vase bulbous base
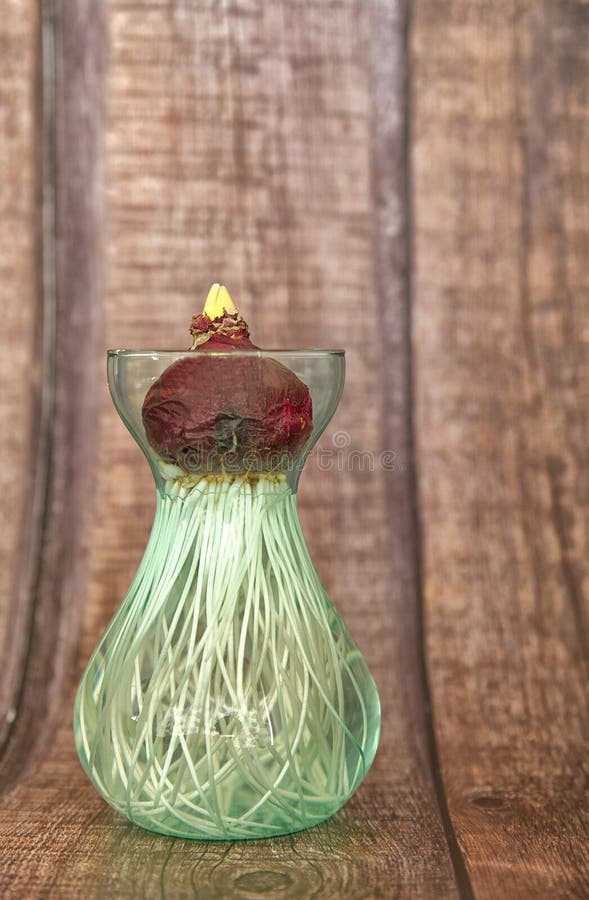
[(226, 699)]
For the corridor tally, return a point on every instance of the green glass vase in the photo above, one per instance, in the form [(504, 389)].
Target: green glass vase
[(226, 699)]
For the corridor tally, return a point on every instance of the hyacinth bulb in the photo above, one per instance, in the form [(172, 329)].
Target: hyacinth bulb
[(226, 699)]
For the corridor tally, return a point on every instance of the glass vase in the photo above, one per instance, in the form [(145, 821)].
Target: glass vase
[(226, 699)]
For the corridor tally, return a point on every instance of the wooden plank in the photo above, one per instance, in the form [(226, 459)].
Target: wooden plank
[(502, 376), (54, 550), (239, 148), (19, 373), (254, 168)]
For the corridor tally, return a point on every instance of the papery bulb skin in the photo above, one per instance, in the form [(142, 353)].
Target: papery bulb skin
[(210, 415), (240, 414)]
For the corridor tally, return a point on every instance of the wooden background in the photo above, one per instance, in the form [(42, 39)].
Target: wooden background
[(409, 181)]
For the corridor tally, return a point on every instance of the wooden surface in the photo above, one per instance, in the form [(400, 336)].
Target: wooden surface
[(407, 180), (502, 380), (19, 373)]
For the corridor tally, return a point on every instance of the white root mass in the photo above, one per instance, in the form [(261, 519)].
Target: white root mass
[(226, 699)]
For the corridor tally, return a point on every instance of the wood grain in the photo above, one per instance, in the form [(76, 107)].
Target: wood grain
[(407, 180), (240, 146), (19, 372), (57, 503), (240, 149), (500, 131)]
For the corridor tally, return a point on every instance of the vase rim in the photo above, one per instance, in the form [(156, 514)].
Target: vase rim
[(311, 351)]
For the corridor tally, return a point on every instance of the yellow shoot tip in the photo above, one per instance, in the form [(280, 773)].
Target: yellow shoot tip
[(218, 302)]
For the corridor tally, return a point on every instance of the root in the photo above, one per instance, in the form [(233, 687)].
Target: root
[(219, 702)]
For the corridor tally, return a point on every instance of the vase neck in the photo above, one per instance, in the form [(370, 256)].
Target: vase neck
[(175, 486)]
